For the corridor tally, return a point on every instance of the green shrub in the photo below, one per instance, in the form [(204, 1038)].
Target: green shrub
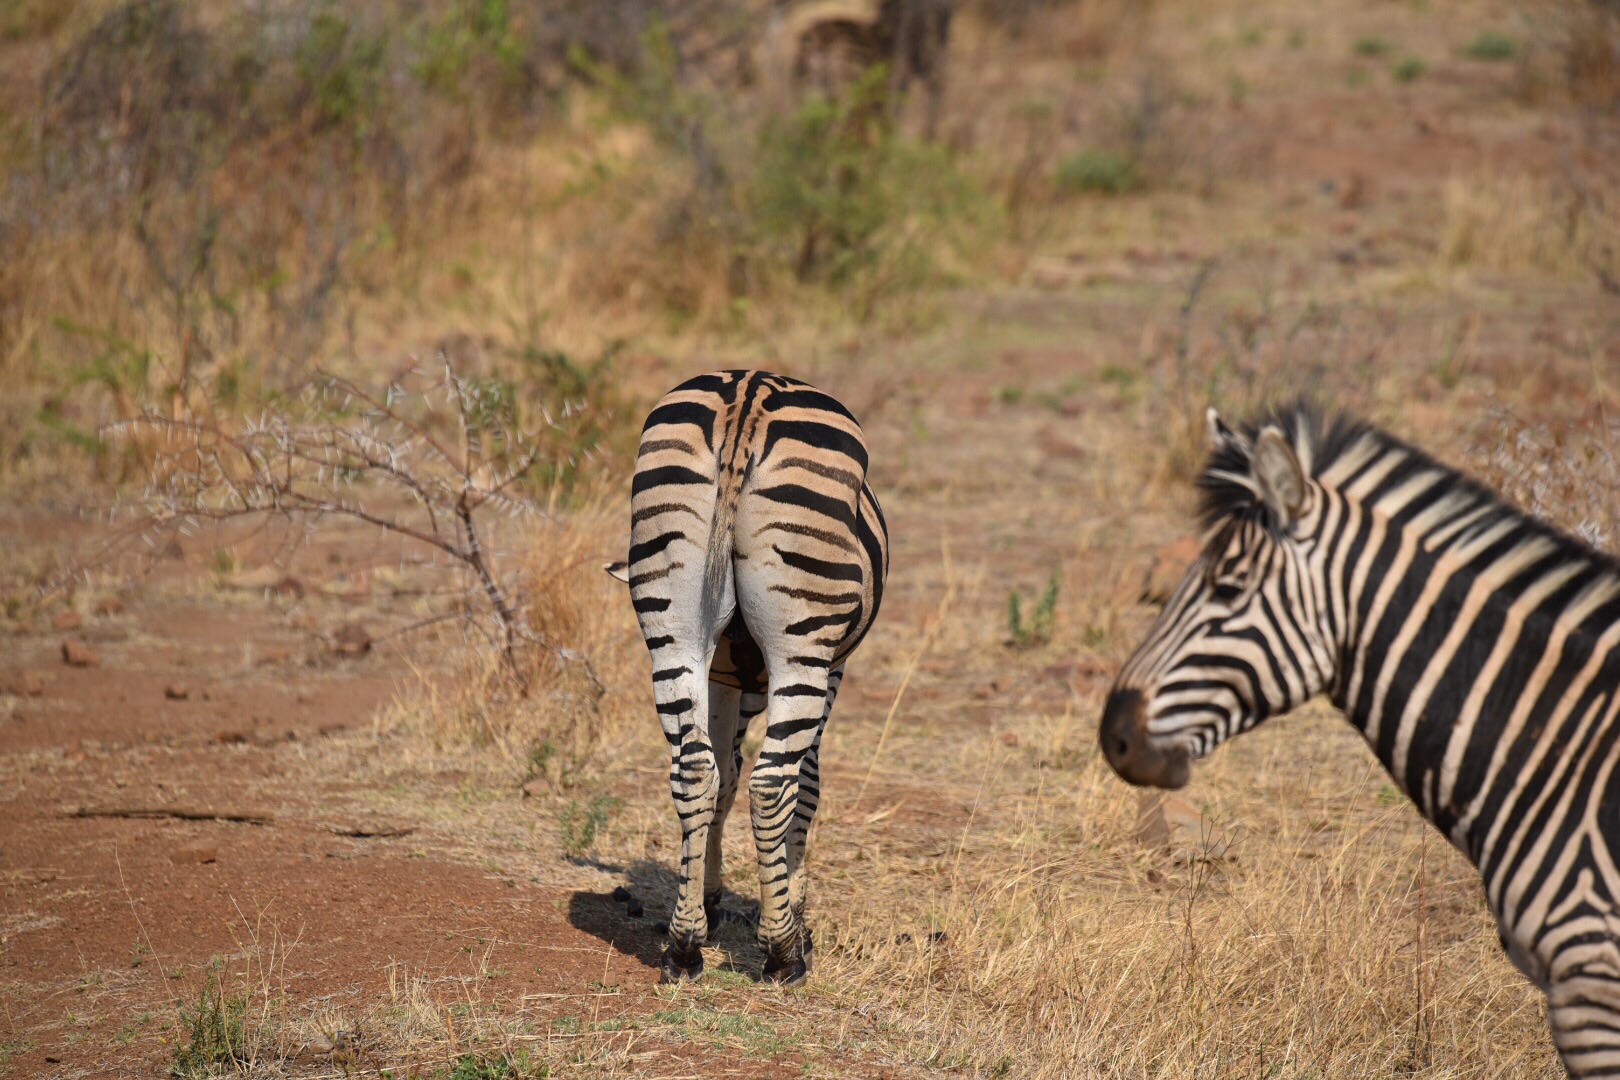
[(580, 825), (215, 1033), (836, 192), (1409, 69), (1038, 630), (1492, 45), (1105, 172), (1371, 45)]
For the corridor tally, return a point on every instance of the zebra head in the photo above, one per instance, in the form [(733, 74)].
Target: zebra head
[(1242, 637)]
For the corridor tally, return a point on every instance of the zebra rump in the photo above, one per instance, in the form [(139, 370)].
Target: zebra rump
[(757, 560)]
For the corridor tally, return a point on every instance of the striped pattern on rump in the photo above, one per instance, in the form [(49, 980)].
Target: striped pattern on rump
[(1476, 648), (757, 560)]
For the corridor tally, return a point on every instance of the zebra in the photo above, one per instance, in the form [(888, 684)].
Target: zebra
[(1476, 648), (757, 563)]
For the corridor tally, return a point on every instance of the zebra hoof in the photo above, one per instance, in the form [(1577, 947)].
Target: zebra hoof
[(788, 972), (679, 967)]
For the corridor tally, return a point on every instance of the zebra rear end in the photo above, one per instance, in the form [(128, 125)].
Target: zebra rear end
[(757, 560)]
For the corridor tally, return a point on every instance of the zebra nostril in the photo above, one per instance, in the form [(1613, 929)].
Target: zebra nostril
[(1122, 747)]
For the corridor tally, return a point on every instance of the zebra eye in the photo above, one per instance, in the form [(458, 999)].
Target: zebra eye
[(1226, 592)]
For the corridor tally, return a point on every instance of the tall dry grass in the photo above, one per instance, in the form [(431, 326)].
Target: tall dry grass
[(1525, 224)]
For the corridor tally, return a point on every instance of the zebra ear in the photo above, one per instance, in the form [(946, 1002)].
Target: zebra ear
[(1279, 476), (619, 569), (1221, 436)]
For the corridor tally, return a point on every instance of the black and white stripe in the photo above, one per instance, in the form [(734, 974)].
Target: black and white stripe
[(1477, 649), (757, 560)]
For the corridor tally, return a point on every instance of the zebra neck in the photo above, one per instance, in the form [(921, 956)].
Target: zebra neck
[(1478, 671)]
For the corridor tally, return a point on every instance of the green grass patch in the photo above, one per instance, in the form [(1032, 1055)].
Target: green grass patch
[(215, 1033), (1038, 629), (1408, 69), (1492, 45), (1097, 172)]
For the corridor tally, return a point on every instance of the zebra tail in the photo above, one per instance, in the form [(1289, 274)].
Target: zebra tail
[(717, 562)]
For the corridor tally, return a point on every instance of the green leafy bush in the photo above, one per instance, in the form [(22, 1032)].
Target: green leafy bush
[(1491, 45), (215, 1033), (1104, 172), (1409, 69), (1038, 630)]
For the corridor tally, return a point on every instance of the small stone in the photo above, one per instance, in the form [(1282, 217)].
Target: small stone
[(230, 738), (1170, 564), (172, 550), (1009, 738), (78, 654), (195, 854), (351, 639), (534, 787), (177, 691), (26, 684), (67, 620), (622, 894), (289, 587), (109, 605), (632, 908)]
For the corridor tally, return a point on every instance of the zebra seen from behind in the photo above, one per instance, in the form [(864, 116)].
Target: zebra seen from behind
[(1476, 648), (757, 562)]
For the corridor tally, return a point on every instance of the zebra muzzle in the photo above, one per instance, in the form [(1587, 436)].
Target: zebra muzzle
[(1132, 751)]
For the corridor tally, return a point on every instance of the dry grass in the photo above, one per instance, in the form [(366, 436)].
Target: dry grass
[(1521, 224)]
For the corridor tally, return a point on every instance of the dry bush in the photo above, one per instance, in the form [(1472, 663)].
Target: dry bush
[(1563, 473), (585, 688), (1573, 52)]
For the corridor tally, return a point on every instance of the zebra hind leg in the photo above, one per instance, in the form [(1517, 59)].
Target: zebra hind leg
[(694, 782), (793, 715), (804, 816), (750, 704), (724, 709)]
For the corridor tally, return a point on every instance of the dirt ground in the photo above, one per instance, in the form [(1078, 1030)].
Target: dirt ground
[(224, 798)]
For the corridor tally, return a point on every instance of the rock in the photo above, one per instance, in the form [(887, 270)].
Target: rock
[(230, 738), (534, 787), (1170, 564), (351, 639), (78, 654), (109, 605), (172, 550), (25, 684), (633, 908), (67, 620), (1165, 822), (1009, 738), (194, 854), (177, 691), (289, 587)]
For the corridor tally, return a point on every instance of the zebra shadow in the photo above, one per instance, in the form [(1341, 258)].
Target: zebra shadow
[(634, 919)]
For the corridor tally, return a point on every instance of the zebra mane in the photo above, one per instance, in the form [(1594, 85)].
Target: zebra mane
[(1336, 448)]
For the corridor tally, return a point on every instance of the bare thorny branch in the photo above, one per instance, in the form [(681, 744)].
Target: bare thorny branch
[(343, 463)]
